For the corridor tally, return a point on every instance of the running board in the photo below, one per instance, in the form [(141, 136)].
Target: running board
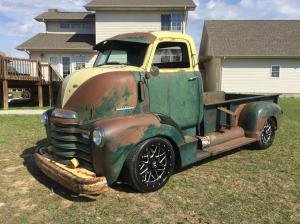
[(224, 147)]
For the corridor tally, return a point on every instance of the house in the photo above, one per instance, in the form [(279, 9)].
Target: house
[(70, 36), (251, 56), (67, 43)]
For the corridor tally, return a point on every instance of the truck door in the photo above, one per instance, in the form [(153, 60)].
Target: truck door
[(175, 92)]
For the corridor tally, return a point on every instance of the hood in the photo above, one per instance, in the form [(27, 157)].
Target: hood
[(103, 92), (72, 82)]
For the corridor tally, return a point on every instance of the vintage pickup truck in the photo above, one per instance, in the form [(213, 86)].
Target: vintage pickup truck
[(141, 112)]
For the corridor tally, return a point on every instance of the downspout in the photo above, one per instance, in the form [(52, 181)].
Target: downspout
[(184, 20)]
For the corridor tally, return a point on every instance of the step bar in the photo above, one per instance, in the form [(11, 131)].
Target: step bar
[(224, 147)]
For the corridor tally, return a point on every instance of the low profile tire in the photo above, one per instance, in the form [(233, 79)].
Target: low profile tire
[(267, 135), (150, 164)]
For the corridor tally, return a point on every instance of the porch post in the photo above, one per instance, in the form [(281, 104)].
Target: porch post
[(40, 87), (4, 84)]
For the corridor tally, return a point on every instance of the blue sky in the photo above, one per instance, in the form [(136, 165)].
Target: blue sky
[(17, 23)]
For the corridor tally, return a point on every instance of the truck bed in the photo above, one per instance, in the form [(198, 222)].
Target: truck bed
[(220, 98), (214, 102)]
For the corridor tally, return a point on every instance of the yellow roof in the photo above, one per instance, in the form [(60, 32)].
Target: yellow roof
[(170, 34)]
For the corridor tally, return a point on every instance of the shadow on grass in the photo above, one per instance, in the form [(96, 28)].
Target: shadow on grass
[(120, 186)]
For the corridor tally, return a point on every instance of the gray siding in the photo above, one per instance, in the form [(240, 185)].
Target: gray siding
[(254, 76)]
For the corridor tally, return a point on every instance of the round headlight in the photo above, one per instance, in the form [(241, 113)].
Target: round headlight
[(98, 136), (45, 118)]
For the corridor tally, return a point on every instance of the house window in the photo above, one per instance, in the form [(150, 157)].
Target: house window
[(275, 71), (54, 61), (80, 61), (76, 25), (87, 26), (65, 25), (171, 22), (171, 55)]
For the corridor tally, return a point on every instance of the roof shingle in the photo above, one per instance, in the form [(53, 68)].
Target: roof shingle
[(54, 41), (102, 4), (58, 16), (250, 38)]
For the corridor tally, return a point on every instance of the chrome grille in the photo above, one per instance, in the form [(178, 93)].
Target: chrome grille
[(67, 142)]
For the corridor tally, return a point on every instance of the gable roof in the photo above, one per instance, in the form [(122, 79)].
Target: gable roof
[(55, 15), (54, 41), (137, 4), (251, 38)]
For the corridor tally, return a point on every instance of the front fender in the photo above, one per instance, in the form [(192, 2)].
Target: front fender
[(122, 134), (254, 116)]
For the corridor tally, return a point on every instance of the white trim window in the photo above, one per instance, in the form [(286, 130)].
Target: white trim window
[(80, 61), (171, 22), (275, 71), (65, 25)]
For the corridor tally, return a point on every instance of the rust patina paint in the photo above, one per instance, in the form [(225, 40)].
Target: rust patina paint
[(121, 135), (135, 127), (139, 37), (100, 96)]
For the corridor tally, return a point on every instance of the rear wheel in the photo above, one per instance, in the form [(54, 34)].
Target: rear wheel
[(150, 165), (267, 134)]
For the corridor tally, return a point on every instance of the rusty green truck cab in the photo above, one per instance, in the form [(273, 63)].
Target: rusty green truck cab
[(140, 111)]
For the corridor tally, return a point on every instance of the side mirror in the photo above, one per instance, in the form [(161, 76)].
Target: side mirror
[(154, 71)]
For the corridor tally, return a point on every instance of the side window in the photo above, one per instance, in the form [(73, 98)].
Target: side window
[(275, 71), (171, 55)]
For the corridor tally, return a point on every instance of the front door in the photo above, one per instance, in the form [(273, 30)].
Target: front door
[(175, 91), (66, 63)]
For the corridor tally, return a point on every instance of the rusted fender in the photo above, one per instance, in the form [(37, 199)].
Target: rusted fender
[(254, 116), (122, 134)]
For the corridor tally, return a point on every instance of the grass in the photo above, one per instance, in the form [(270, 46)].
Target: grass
[(248, 186)]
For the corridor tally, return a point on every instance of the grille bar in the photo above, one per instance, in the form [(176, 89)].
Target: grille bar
[(69, 141)]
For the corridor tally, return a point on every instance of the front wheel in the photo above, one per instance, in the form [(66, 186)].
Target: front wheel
[(150, 165), (267, 134)]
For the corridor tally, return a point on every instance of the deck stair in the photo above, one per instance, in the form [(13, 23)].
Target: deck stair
[(19, 73)]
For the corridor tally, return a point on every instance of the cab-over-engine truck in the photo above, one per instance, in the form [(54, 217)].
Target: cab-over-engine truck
[(141, 111)]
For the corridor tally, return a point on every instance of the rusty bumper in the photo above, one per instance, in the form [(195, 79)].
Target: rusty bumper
[(78, 180)]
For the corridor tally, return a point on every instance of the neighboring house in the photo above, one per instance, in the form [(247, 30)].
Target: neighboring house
[(114, 17), (70, 36), (68, 41), (251, 56)]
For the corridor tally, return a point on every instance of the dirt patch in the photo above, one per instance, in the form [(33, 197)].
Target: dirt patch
[(25, 205), (12, 169), (65, 204)]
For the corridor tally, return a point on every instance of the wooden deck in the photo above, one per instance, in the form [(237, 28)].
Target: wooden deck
[(27, 74)]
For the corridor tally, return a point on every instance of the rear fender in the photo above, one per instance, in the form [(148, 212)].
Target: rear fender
[(122, 135), (254, 116)]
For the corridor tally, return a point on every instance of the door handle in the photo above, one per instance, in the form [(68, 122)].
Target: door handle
[(193, 78)]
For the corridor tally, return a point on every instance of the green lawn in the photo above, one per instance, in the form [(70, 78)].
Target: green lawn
[(248, 186)]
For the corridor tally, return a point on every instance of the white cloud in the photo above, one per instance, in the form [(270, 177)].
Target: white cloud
[(19, 14), (246, 9), (17, 22)]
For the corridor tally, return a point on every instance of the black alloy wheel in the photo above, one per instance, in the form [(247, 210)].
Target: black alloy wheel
[(267, 134), (150, 165)]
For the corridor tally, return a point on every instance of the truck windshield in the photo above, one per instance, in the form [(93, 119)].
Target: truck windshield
[(116, 52)]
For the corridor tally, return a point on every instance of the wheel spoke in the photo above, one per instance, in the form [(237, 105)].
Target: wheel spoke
[(154, 164)]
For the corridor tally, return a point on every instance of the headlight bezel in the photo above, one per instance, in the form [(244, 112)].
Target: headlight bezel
[(45, 118), (98, 136)]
